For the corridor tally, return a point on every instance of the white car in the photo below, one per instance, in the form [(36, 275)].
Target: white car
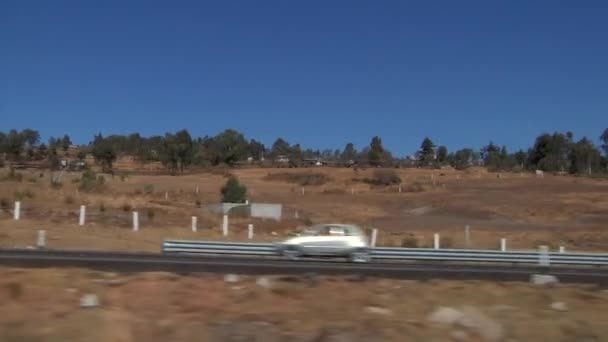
[(336, 240)]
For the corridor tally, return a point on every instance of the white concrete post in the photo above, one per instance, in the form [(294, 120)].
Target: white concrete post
[(81, 218), (436, 241), (197, 190), (467, 235), (400, 189), (562, 249), (303, 191), (194, 223), (503, 245), (166, 195), (296, 215), (225, 226), (543, 256), (246, 202), (374, 237), (352, 191), (250, 231), (41, 243), (135, 221), (17, 211)]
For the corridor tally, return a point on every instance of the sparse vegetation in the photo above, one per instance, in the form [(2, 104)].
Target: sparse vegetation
[(151, 214), (383, 178), (148, 189), (409, 242), (4, 203), (69, 199), (413, 187), (233, 191), (102, 207), (197, 203), (32, 180), (90, 182), (126, 207), (123, 177), (301, 178)]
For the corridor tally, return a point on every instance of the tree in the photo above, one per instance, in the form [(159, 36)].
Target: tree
[(103, 152), (462, 158), (349, 152), (178, 151), (551, 152), (66, 142), (279, 148), (584, 157), (233, 191), (14, 144), (520, 158), (426, 154), (604, 139), (31, 137), (442, 154), (256, 149), (374, 156)]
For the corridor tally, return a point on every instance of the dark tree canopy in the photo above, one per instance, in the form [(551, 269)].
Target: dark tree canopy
[(376, 151), (233, 191)]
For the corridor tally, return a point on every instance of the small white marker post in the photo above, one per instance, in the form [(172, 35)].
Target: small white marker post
[(246, 202), (562, 249), (400, 189), (303, 191), (41, 243), (467, 235), (225, 226), (166, 195), (17, 211), (543, 256), (81, 217), (135, 221), (374, 237), (296, 215), (436, 241), (250, 231), (194, 223), (197, 190), (503, 245)]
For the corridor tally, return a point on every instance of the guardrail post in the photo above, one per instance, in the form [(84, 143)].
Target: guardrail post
[(225, 226), (41, 243), (562, 249), (135, 221), (17, 211), (543, 256), (166, 195), (436, 241), (197, 189), (302, 191), (194, 223), (374, 237), (250, 231), (503, 245), (352, 191), (81, 217)]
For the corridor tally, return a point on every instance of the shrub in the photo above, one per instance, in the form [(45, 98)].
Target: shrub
[(4, 203), (414, 187), (123, 177), (233, 191), (409, 242), (102, 207), (16, 176), (127, 207), (33, 180), (150, 213), (1, 162), (19, 196), (15, 290), (148, 188), (69, 199), (302, 178), (90, 181), (29, 193), (197, 203), (75, 180), (383, 178)]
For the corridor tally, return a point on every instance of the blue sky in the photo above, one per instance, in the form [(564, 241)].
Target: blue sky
[(320, 73)]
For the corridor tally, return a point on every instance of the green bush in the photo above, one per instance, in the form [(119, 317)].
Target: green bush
[(151, 214), (4, 203), (148, 189), (127, 207), (69, 199), (197, 203), (233, 191), (90, 182)]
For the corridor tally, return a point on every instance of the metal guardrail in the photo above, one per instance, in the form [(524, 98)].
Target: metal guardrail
[(403, 254)]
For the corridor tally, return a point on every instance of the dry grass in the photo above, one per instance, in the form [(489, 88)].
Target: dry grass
[(568, 211), (43, 305)]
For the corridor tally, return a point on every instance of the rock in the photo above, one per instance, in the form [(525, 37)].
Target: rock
[(486, 327), (559, 306), (446, 315), (231, 278), (376, 310), (71, 290), (89, 301), (470, 318), (459, 335), (263, 282), (543, 279)]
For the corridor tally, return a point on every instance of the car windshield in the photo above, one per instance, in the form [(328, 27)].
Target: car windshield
[(321, 230)]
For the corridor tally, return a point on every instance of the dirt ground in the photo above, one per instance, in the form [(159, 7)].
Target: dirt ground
[(528, 211), (44, 305)]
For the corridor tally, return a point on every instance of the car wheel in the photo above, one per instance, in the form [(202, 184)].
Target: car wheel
[(360, 256)]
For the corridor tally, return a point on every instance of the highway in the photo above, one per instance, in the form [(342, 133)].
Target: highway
[(426, 270)]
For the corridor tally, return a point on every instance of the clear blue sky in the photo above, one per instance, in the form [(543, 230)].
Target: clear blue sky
[(321, 73)]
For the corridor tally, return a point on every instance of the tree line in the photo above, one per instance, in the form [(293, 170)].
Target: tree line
[(178, 151)]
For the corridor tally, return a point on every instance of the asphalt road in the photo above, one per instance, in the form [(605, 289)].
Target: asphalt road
[(139, 262)]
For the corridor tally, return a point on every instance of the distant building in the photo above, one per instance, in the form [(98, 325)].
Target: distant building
[(282, 159)]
